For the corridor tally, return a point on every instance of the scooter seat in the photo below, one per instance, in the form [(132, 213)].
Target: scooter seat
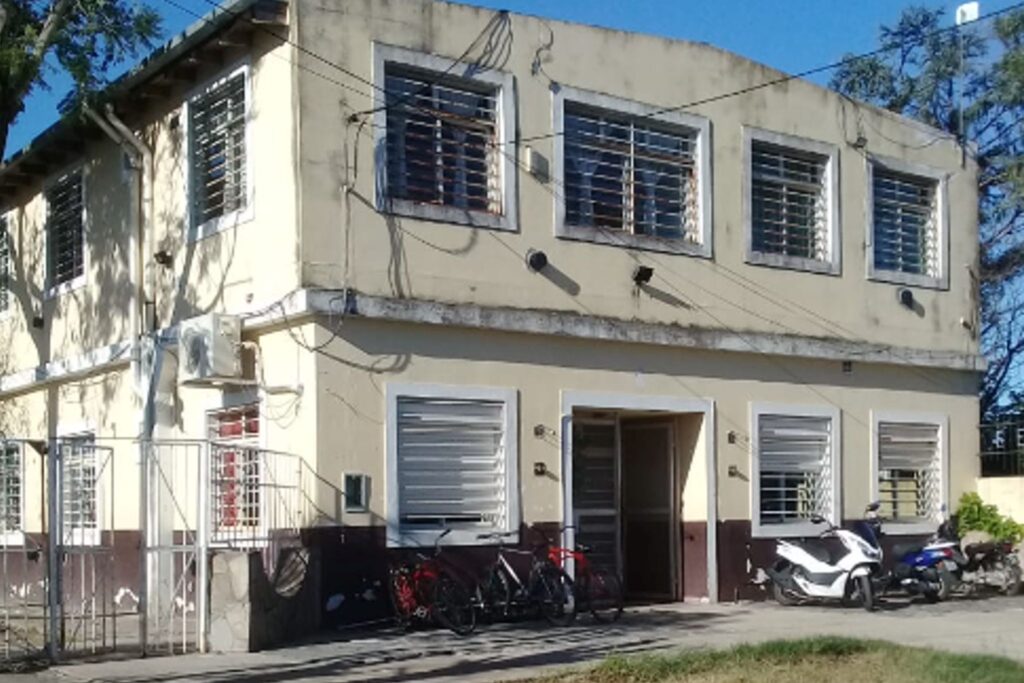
[(901, 550)]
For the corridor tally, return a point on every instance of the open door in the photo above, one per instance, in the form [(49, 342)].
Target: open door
[(596, 490), (647, 515)]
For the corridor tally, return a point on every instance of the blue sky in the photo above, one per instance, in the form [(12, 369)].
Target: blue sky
[(791, 35)]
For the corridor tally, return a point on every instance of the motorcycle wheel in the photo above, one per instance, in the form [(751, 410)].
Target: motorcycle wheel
[(782, 596), (946, 582), (865, 592), (1013, 581)]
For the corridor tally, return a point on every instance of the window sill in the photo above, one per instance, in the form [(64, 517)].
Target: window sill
[(784, 262), (802, 530), (617, 238), (399, 538), (921, 528), (909, 279), (446, 214), (12, 539), (64, 288), (220, 224)]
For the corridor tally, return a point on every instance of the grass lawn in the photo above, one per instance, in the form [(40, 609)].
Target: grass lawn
[(813, 660)]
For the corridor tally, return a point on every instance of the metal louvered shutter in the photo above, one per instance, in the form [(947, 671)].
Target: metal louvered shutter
[(5, 266), (905, 225), (789, 202), (442, 140), (451, 464), (630, 173), (65, 235), (909, 470), (795, 467), (217, 129)]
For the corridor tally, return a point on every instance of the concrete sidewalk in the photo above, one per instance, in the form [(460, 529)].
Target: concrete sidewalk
[(991, 626)]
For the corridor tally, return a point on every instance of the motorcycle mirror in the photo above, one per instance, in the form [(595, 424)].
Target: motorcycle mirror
[(817, 519), (873, 506)]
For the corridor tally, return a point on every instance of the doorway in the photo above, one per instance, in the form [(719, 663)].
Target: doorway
[(624, 479)]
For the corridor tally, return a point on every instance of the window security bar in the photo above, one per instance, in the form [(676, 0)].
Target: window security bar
[(217, 128), (905, 223), (789, 202)]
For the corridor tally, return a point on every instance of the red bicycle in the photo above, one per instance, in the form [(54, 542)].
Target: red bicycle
[(425, 592), (597, 590)]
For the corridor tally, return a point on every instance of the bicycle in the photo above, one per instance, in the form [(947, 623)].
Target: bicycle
[(598, 590), (547, 589), (426, 591)]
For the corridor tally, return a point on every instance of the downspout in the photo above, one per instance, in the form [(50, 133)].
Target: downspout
[(147, 373)]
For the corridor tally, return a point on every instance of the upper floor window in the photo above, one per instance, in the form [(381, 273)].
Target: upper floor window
[(218, 163), (796, 468), (65, 232), (631, 175), (451, 463), (909, 466), (441, 134), (907, 234), (790, 197), (5, 266)]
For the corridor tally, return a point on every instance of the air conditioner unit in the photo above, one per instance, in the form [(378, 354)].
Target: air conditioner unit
[(209, 349)]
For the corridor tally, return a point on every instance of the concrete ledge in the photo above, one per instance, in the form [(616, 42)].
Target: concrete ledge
[(568, 324)]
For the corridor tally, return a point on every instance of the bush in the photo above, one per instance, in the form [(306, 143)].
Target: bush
[(974, 514)]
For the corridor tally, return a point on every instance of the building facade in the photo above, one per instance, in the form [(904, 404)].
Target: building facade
[(497, 273)]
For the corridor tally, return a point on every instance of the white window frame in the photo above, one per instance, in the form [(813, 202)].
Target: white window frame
[(759, 530), (54, 291), (505, 101), (941, 179), (832, 265), (232, 219), (255, 536), (16, 537), (5, 233), (941, 421), (83, 536), (396, 536), (698, 125)]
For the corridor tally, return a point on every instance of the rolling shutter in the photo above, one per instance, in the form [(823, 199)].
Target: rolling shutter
[(795, 467), (451, 464), (909, 470)]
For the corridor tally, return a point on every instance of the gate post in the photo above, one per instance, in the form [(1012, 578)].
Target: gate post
[(202, 550), (54, 541)]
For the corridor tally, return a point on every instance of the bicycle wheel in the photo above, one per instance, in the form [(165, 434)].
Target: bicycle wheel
[(452, 605), (554, 592), (403, 595), (604, 596), (494, 594)]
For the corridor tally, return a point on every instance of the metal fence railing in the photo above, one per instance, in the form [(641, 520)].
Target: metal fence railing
[(1002, 447)]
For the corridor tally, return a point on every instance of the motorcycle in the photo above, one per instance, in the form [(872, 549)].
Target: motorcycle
[(928, 568), (812, 571)]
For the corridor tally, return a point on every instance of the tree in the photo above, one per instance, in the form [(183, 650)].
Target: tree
[(925, 70), (82, 38)]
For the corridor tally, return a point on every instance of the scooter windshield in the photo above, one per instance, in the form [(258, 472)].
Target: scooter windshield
[(867, 532)]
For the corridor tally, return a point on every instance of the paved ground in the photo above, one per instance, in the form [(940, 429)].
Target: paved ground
[(993, 626)]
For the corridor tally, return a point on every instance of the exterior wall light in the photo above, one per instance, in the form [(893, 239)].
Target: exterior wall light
[(536, 260), (642, 275), (905, 297)]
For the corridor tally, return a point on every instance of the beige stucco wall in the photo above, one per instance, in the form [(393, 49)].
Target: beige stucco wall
[(1006, 493), (365, 356), (415, 258), (244, 267)]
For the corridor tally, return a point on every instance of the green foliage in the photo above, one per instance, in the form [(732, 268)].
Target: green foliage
[(973, 514), (921, 72), (83, 38)]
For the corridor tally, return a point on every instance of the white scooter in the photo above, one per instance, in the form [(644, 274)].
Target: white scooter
[(811, 571)]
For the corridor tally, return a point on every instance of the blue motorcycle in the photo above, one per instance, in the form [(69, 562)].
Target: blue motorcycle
[(927, 568)]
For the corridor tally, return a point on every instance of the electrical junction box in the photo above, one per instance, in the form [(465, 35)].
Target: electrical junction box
[(209, 349)]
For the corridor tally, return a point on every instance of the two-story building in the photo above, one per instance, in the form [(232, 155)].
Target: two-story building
[(494, 272)]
